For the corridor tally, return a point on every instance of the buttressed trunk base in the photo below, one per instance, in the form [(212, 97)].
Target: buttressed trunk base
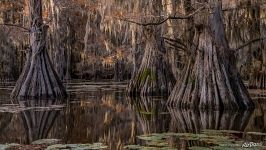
[(154, 76), (210, 80), (38, 78)]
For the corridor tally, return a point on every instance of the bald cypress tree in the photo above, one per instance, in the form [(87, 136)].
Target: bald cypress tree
[(210, 79), (38, 78)]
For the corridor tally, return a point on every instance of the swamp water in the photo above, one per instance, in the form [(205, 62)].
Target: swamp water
[(102, 115)]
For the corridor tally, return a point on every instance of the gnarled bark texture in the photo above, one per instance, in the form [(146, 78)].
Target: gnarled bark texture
[(154, 76), (210, 80), (38, 78)]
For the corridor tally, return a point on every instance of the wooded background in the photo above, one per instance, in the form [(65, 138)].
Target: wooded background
[(96, 40)]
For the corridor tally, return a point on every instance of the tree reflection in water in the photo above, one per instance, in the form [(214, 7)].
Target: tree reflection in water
[(112, 118), (151, 114), (195, 121), (38, 120)]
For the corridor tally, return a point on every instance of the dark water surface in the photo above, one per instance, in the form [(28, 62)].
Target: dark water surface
[(101, 112)]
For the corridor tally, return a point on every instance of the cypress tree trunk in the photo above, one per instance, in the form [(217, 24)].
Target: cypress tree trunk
[(38, 78), (153, 77), (210, 79)]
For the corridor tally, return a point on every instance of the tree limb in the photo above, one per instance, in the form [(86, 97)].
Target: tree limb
[(248, 43), (14, 25), (179, 41), (176, 46), (164, 20)]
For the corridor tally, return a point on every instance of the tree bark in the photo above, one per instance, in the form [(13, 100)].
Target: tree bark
[(153, 76), (38, 78), (210, 79)]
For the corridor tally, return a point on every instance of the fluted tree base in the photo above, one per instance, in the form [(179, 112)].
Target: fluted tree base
[(154, 76)]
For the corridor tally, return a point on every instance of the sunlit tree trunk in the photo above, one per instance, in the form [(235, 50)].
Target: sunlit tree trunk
[(210, 79), (38, 78), (171, 54)]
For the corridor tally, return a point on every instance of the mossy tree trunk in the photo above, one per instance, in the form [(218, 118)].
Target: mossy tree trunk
[(38, 78), (154, 76), (210, 79), (258, 76)]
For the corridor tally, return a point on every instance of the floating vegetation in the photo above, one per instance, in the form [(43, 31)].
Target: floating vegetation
[(206, 140), (95, 146), (46, 141), (7, 146), (16, 108), (49, 144)]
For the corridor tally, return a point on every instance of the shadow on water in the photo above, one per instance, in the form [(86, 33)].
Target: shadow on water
[(108, 116)]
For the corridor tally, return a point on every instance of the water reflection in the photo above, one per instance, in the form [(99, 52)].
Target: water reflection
[(196, 121), (39, 120), (108, 116), (151, 113)]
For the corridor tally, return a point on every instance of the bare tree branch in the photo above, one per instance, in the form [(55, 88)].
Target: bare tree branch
[(179, 41), (175, 46), (14, 25), (164, 20), (248, 43)]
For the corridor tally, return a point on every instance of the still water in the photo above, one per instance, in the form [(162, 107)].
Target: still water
[(101, 112)]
